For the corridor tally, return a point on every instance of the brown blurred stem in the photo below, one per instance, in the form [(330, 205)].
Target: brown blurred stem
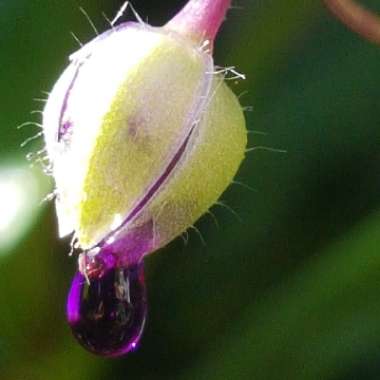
[(357, 18)]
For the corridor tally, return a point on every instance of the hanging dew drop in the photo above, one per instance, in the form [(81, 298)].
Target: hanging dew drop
[(107, 313)]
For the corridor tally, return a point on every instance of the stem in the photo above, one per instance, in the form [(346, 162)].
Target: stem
[(357, 18), (200, 20)]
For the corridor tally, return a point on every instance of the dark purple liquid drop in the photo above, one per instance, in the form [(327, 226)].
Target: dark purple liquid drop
[(107, 315)]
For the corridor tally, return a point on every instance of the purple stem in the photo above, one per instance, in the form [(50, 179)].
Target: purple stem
[(356, 17), (200, 19)]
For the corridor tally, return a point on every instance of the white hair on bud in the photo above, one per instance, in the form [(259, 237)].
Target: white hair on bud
[(92, 24), (120, 13)]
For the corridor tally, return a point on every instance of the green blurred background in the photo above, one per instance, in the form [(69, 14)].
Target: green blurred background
[(291, 290)]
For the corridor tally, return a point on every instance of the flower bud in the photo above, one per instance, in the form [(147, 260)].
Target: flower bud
[(143, 136)]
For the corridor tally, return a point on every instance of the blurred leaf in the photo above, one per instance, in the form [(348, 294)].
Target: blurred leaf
[(312, 326)]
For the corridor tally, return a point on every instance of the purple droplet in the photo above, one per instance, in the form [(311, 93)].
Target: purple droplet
[(107, 315)]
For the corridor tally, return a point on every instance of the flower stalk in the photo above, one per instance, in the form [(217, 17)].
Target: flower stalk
[(200, 20), (357, 18)]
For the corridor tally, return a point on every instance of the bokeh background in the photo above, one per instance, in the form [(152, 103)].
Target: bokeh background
[(288, 289)]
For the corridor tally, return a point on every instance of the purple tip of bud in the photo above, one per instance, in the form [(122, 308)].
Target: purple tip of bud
[(121, 248), (107, 314), (200, 19)]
